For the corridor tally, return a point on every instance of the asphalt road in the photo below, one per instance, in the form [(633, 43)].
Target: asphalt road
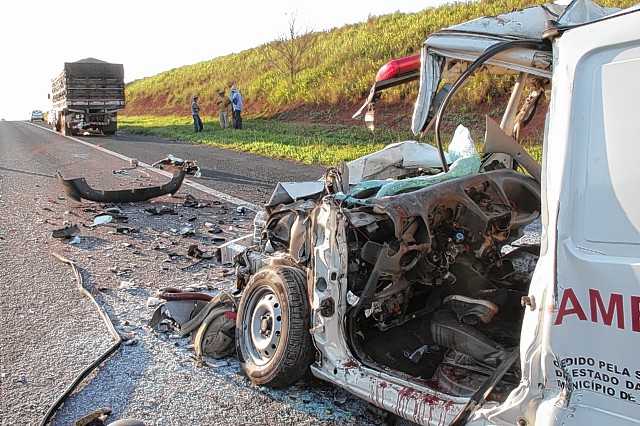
[(49, 333), (246, 176)]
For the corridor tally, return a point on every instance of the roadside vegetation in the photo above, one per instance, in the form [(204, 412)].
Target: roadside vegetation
[(303, 142), (308, 119)]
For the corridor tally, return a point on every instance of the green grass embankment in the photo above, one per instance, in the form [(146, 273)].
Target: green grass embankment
[(306, 143)]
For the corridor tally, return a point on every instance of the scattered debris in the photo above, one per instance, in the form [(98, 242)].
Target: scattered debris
[(211, 325), (127, 285), (191, 166), (129, 339), (126, 230), (416, 355), (186, 230), (212, 228), (153, 301), (68, 231), (94, 418), (190, 201), (158, 211), (99, 416), (161, 321), (117, 213), (102, 220), (120, 271), (195, 252)]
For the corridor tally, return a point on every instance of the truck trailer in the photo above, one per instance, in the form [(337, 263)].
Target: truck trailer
[(87, 96)]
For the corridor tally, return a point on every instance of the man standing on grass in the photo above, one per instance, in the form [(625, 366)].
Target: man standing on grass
[(195, 113), (236, 107), (223, 107)]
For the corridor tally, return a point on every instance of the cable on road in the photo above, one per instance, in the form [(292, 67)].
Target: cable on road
[(112, 330)]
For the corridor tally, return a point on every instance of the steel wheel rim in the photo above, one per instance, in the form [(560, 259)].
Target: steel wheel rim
[(264, 327)]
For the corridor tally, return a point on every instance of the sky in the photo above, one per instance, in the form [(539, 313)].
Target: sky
[(150, 36)]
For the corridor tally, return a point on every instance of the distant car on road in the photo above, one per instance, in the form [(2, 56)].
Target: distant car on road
[(36, 114)]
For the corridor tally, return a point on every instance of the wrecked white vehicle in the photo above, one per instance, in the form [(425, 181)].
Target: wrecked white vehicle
[(395, 276)]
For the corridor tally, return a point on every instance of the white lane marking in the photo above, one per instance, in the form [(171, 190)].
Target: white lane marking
[(226, 197)]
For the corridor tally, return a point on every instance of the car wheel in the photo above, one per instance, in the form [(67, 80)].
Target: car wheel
[(272, 327)]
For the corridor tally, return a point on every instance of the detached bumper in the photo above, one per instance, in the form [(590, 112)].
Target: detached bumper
[(78, 189)]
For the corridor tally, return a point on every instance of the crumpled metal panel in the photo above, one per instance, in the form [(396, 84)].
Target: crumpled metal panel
[(419, 203), (430, 71), (466, 42), (394, 160)]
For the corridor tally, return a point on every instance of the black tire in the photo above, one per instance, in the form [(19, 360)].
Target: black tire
[(110, 129), (272, 328)]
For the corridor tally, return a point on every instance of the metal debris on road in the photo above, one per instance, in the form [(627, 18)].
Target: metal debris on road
[(196, 252), (68, 231), (191, 166), (158, 211)]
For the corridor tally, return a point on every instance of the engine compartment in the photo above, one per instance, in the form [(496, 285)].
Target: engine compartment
[(434, 286), (439, 298)]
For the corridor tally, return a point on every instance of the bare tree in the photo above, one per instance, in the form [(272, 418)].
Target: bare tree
[(293, 52)]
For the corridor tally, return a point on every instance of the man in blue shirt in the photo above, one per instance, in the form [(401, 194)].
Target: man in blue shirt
[(236, 107), (195, 113)]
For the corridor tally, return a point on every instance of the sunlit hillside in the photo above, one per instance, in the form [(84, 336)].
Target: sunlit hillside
[(339, 80)]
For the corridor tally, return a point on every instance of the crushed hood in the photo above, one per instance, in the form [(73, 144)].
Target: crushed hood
[(448, 52)]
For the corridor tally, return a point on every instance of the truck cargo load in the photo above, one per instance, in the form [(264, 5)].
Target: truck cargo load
[(87, 96)]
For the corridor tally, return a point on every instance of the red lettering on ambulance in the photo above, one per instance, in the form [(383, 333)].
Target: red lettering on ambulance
[(635, 313), (568, 296), (598, 307), (615, 307)]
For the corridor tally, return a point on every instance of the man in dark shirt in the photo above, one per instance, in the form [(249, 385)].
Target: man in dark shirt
[(195, 113)]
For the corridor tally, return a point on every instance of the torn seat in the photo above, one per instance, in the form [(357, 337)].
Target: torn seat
[(471, 311), (449, 332)]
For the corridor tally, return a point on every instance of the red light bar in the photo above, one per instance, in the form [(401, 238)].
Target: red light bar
[(398, 66)]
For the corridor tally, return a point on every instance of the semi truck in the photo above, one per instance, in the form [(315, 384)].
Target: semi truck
[(87, 96)]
